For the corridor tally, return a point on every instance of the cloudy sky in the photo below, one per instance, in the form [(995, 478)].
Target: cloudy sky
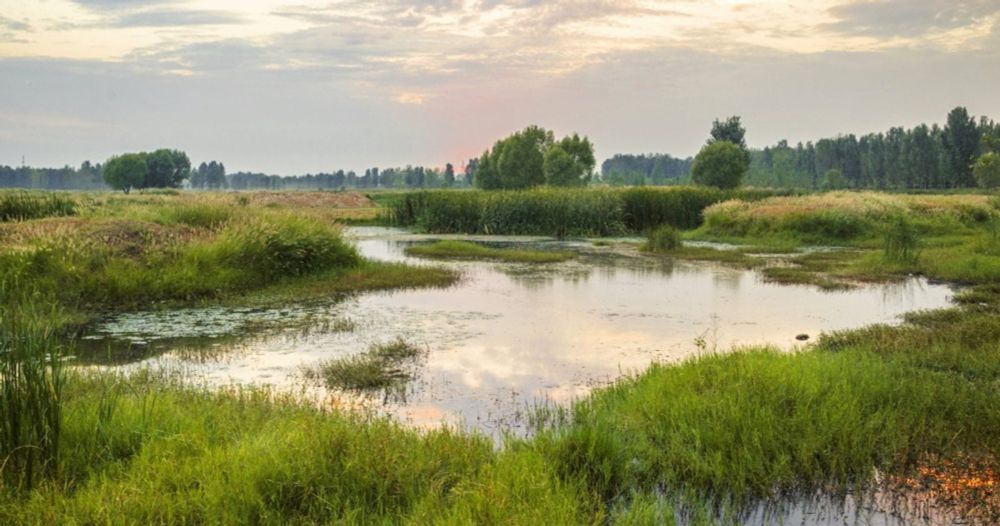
[(291, 86)]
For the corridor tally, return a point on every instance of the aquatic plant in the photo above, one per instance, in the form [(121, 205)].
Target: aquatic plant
[(662, 239)]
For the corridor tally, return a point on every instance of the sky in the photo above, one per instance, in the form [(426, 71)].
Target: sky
[(297, 86)]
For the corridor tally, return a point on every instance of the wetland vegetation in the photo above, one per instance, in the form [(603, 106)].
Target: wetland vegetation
[(910, 407), (451, 249)]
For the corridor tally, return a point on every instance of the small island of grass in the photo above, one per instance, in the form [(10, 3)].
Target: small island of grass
[(466, 250)]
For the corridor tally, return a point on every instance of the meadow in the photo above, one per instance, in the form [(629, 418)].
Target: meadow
[(912, 407)]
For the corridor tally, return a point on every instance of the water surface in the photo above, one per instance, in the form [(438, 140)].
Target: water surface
[(509, 335)]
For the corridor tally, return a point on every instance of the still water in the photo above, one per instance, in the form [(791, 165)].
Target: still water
[(508, 336)]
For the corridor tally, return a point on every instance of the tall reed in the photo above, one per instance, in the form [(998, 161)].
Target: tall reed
[(559, 212), (31, 380), (21, 205)]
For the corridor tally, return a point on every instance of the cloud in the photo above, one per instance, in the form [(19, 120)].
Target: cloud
[(111, 5), (176, 18), (909, 18), (13, 25)]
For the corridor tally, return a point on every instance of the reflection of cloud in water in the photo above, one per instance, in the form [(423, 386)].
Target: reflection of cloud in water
[(512, 335)]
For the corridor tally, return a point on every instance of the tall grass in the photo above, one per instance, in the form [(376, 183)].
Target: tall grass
[(558, 212), (31, 381), (21, 205)]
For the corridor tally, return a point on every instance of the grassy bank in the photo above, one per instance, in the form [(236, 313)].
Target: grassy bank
[(881, 237), (468, 250), (559, 212)]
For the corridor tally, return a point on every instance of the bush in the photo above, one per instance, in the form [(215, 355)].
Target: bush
[(662, 239)]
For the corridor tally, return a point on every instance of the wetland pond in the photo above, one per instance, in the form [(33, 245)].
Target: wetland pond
[(507, 337)]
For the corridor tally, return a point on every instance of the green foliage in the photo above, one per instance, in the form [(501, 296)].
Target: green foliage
[(532, 157), (468, 250), (292, 246), (126, 172), (162, 168), (987, 170), (21, 206), (721, 164), (729, 130), (379, 368), (559, 212), (663, 238)]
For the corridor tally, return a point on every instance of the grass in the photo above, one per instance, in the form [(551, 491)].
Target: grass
[(663, 238), (467, 250), (381, 367)]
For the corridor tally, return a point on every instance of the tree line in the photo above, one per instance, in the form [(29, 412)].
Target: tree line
[(653, 169), (963, 153), (86, 177), (922, 157)]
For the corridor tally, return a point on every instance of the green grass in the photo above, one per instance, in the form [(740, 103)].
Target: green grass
[(663, 238), (381, 367), (19, 205), (467, 250)]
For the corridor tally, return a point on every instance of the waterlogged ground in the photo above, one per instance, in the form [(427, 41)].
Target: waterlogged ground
[(509, 336)]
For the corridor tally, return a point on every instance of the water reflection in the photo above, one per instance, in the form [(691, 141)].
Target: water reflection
[(509, 335)]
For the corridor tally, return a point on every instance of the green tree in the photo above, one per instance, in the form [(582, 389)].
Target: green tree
[(559, 168), (729, 130), (521, 156), (569, 162), (987, 170), (721, 164), (961, 144), (486, 175), (519, 161), (126, 172)]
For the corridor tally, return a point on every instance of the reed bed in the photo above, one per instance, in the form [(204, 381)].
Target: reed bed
[(20, 205), (559, 212)]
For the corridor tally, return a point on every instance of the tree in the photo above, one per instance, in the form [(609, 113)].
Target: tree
[(721, 164), (449, 175), (729, 130), (987, 170), (559, 168), (961, 144), (126, 172), (519, 161)]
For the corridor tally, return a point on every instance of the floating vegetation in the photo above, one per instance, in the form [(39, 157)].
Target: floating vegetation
[(468, 250)]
